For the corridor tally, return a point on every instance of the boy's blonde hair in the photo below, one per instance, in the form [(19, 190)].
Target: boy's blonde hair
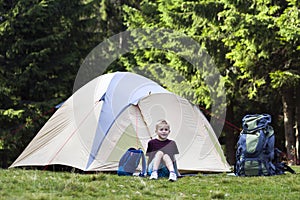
[(161, 122)]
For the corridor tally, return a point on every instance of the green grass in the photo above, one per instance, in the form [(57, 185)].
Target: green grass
[(34, 184)]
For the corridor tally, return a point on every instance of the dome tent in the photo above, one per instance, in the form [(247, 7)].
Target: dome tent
[(100, 121)]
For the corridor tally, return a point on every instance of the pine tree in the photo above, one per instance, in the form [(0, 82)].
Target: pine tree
[(43, 43), (254, 44)]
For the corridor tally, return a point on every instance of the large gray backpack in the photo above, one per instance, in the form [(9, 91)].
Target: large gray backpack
[(256, 155)]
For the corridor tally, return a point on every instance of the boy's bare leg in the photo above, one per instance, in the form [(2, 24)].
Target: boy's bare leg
[(156, 162), (160, 156), (169, 163), (157, 159)]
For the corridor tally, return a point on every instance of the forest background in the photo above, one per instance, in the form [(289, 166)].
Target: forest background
[(254, 44)]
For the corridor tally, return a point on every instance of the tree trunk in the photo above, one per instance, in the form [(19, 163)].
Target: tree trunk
[(230, 138), (297, 123), (288, 113)]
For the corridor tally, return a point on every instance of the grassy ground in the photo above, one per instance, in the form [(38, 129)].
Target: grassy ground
[(35, 184)]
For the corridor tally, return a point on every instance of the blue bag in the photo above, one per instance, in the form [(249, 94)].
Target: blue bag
[(256, 155), (130, 161)]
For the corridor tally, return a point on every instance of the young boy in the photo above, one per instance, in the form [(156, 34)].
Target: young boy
[(161, 153)]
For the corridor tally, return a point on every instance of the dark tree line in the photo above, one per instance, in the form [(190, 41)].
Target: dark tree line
[(255, 46)]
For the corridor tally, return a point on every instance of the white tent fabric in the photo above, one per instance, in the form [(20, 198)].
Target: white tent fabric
[(116, 111)]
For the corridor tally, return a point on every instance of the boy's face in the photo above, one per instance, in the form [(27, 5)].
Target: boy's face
[(163, 131)]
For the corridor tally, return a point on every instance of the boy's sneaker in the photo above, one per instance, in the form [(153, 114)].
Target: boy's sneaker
[(154, 175), (172, 176)]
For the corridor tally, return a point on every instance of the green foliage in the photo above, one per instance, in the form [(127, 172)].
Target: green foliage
[(170, 68), (11, 113), (254, 45), (241, 37), (255, 36), (284, 79), (43, 43), (289, 22), (33, 39), (34, 184)]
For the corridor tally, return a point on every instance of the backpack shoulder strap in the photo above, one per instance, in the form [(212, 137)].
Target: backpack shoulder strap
[(281, 167)]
